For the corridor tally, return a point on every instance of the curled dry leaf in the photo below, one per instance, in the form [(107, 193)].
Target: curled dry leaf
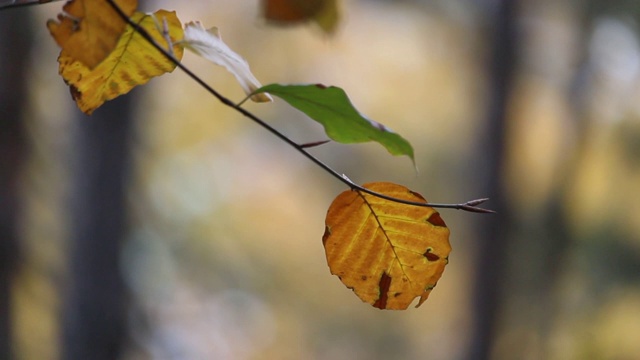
[(89, 30), (133, 62), (208, 44), (388, 253)]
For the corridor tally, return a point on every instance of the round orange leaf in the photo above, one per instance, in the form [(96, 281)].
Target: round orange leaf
[(387, 252)]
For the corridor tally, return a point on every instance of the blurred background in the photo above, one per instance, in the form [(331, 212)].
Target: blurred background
[(167, 226)]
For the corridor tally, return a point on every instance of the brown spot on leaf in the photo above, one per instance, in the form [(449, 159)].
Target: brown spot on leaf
[(75, 93), (436, 220), (363, 277), (417, 195), (320, 86), (431, 256), (383, 285)]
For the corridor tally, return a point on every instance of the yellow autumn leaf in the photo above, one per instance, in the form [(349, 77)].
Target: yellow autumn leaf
[(387, 252), (89, 30), (133, 62)]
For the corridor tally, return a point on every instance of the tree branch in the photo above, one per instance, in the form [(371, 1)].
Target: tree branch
[(471, 206), (19, 3)]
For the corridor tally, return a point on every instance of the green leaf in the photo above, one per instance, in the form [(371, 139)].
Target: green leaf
[(331, 107)]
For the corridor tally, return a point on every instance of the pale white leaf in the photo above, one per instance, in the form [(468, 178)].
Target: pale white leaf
[(208, 44)]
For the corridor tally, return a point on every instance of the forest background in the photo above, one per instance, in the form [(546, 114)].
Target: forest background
[(193, 233)]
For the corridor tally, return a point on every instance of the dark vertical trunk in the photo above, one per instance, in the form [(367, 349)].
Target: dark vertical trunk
[(94, 324), (14, 47), (95, 315), (490, 264)]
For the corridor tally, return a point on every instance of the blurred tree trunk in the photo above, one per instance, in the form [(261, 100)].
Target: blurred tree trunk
[(97, 305), (94, 319), (491, 253), (15, 39)]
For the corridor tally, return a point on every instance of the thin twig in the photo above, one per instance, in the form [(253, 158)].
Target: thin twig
[(467, 206), (313, 144), (20, 4)]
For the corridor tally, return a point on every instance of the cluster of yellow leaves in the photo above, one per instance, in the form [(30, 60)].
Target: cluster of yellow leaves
[(388, 253), (133, 62), (100, 73), (103, 57)]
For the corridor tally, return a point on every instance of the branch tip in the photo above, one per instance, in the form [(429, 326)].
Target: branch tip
[(476, 209), (476, 202)]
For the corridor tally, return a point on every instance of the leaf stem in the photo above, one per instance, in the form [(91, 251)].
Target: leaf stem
[(313, 144), (467, 206)]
